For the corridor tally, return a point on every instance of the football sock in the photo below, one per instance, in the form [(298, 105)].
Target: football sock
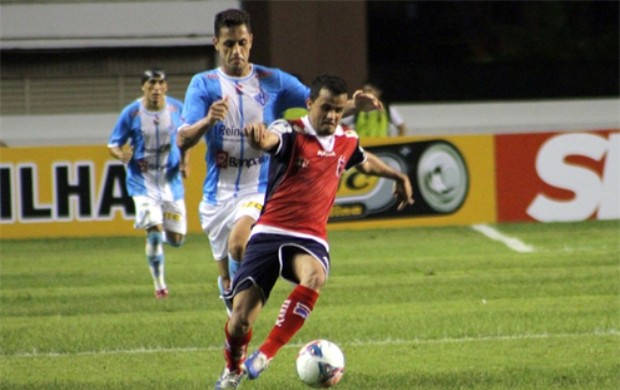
[(155, 255), (293, 313), (233, 266), (235, 348)]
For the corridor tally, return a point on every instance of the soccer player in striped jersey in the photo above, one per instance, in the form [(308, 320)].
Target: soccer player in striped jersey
[(218, 104), (289, 239), (155, 167)]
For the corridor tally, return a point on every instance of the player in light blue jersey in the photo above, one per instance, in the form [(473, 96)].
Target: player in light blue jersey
[(144, 140), (218, 104)]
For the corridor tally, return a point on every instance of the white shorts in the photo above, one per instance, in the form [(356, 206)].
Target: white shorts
[(150, 212), (217, 220)]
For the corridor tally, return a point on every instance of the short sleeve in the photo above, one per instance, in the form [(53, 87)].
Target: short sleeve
[(196, 103), (358, 156)]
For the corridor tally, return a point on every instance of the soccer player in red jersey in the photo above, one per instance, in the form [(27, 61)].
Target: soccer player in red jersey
[(289, 239)]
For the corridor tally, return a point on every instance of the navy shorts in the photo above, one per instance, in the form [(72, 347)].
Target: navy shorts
[(269, 256)]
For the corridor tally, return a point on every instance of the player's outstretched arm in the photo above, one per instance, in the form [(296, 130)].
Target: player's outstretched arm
[(376, 167), (261, 138)]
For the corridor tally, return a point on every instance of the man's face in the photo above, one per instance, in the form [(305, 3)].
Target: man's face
[(326, 111), (233, 46), (155, 90)]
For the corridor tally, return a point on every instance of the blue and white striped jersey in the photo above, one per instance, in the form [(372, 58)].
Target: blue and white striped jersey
[(153, 170), (233, 167)]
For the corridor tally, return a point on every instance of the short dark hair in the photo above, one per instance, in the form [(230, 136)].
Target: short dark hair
[(231, 18), (334, 84), (374, 83), (153, 73)]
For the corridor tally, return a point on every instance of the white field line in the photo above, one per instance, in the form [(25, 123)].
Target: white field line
[(355, 343), (511, 242)]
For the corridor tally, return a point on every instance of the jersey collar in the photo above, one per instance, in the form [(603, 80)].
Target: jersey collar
[(326, 141)]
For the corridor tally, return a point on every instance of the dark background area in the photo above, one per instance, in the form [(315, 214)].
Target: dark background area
[(418, 51), (493, 50)]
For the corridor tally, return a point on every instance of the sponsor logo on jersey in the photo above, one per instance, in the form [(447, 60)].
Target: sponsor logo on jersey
[(223, 160), (246, 162), (262, 97), (252, 205), (224, 131), (340, 167)]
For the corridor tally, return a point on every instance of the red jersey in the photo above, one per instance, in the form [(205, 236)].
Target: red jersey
[(304, 175)]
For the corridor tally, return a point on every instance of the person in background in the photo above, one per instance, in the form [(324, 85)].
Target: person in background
[(290, 239), (144, 140), (376, 123), (219, 103)]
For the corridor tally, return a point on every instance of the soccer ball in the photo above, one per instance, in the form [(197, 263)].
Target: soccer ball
[(320, 363)]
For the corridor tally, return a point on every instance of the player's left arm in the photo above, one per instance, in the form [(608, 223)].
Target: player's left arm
[(374, 166), (184, 164)]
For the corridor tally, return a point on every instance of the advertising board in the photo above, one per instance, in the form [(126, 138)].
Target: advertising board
[(65, 191)]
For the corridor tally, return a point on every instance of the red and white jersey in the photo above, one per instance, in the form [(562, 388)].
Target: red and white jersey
[(304, 175)]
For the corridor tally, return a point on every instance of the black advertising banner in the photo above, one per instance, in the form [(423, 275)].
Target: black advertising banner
[(437, 171)]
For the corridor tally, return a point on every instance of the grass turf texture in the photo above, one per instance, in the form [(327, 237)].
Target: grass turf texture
[(422, 308)]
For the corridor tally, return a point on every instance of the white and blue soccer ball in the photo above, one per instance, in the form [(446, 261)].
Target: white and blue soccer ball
[(320, 363)]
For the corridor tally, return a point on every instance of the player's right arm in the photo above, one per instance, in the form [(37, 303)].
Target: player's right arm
[(260, 137), (189, 135), (123, 154), (118, 140)]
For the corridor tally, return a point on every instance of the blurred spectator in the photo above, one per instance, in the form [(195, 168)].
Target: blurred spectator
[(376, 123)]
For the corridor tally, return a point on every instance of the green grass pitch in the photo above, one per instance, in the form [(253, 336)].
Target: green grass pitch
[(419, 308)]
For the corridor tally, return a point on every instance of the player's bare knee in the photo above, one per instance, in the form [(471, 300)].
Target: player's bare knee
[(314, 280), (236, 249), (239, 323)]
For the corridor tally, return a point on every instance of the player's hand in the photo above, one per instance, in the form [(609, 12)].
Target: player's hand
[(184, 171), (184, 164), (126, 155), (256, 134), (217, 111), (365, 101), (403, 192)]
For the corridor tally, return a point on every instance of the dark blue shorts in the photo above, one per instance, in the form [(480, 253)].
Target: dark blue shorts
[(269, 256)]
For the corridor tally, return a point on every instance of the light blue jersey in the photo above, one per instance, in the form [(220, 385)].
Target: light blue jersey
[(233, 167), (153, 171)]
